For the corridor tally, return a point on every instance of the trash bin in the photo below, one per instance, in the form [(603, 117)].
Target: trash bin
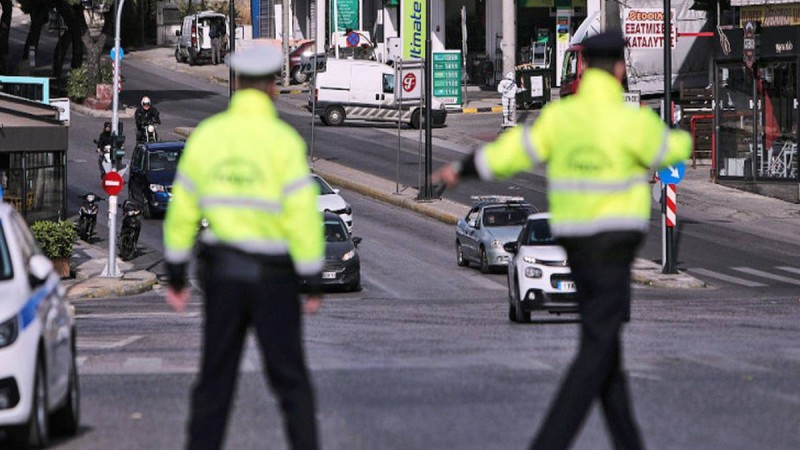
[(536, 83)]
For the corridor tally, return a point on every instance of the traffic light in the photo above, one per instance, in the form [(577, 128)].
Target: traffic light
[(117, 152)]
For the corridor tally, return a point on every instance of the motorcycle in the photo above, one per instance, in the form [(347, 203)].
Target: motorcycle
[(129, 233), (149, 133), (88, 216)]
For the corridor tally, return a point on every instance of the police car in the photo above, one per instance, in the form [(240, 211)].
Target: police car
[(539, 276), (38, 376)]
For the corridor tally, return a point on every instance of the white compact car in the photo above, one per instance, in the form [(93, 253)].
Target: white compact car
[(330, 200), (539, 277), (38, 375)]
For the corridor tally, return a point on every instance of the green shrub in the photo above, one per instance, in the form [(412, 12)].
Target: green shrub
[(78, 85), (56, 238)]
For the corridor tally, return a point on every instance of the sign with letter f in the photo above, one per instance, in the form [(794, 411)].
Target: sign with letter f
[(414, 22)]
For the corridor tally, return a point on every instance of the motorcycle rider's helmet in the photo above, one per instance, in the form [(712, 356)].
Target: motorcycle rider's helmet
[(145, 102), (107, 125), (510, 75)]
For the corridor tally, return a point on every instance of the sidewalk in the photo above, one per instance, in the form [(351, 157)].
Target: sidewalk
[(88, 262)]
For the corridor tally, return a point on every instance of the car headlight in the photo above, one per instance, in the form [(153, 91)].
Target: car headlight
[(8, 331), (348, 210), (151, 128), (157, 188), (529, 259), (497, 243), (533, 272), (349, 255)]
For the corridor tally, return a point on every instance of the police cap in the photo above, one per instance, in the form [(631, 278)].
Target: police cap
[(260, 60), (609, 44)]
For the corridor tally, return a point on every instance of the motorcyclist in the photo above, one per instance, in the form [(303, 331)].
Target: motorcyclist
[(146, 114), (102, 141)]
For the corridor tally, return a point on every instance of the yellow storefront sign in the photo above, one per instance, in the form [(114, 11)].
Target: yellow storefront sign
[(771, 15)]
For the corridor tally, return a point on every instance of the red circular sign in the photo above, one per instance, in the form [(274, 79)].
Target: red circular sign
[(112, 183), (409, 82)]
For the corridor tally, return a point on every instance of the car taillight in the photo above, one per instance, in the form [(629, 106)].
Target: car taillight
[(194, 35), (316, 95)]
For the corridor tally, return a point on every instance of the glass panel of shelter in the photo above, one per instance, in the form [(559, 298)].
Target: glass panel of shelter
[(777, 90)]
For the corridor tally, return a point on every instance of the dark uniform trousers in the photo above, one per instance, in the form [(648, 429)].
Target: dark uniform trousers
[(601, 268), (238, 294)]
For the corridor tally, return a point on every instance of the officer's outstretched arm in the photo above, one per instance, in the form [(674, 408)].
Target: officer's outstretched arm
[(181, 222), (661, 146)]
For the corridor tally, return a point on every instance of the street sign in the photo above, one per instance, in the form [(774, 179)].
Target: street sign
[(353, 39), (112, 183), (113, 53), (307, 62), (672, 174), (409, 82), (447, 76), (749, 44)]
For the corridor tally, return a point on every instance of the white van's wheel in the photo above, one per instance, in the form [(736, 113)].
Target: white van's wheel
[(415, 119), (178, 56), (334, 115)]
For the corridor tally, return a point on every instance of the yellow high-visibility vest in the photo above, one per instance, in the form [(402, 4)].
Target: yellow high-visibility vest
[(599, 152)]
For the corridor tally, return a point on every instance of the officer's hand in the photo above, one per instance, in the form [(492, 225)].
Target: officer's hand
[(178, 299), (447, 175), (312, 304)]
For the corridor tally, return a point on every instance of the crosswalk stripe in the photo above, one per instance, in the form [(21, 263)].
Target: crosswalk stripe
[(723, 277), (789, 269), (771, 276)]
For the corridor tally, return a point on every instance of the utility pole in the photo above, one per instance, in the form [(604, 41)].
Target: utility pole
[(509, 46), (426, 192), (111, 266), (231, 45), (669, 238), (286, 14)]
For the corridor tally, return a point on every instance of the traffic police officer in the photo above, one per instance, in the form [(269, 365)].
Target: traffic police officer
[(246, 172), (598, 153)]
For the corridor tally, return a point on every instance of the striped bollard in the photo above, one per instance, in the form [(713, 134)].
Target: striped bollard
[(669, 212)]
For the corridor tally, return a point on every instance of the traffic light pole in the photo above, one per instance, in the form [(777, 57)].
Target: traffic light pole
[(111, 265), (668, 266)]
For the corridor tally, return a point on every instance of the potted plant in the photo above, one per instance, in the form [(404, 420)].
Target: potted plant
[(56, 239)]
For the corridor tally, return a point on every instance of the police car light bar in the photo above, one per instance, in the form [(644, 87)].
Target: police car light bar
[(497, 198)]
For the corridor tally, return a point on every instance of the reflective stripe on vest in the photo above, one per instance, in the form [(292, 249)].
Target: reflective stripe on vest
[(578, 229), (530, 149), (297, 185), (177, 256), (184, 181), (482, 166), (596, 186), (662, 152), (259, 246), (235, 202)]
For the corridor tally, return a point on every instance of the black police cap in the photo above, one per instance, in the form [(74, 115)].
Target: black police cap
[(609, 44)]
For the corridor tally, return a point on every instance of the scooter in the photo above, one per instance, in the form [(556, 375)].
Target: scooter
[(129, 233), (104, 159), (88, 216)]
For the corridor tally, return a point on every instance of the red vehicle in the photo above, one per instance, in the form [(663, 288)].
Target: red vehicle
[(294, 61), (572, 70)]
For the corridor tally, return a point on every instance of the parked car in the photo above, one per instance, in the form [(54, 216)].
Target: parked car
[(153, 168), (342, 265), (295, 57), (39, 392), (330, 200), (490, 223), (194, 42), (539, 276)]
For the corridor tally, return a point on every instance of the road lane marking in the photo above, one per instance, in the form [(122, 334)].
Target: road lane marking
[(789, 269), (105, 343), (723, 277), (137, 315), (771, 276), (142, 364)]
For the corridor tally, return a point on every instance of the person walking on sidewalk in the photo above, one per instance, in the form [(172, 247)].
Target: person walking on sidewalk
[(245, 171), (507, 87), (598, 153)]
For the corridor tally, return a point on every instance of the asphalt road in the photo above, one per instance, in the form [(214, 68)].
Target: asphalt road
[(424, 357)]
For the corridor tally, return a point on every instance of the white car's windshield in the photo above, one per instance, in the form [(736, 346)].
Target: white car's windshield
[(539, 233), (324, 188), (6, 270)]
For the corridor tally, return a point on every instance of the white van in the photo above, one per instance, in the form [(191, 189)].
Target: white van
[(194, 42), (356, 89)]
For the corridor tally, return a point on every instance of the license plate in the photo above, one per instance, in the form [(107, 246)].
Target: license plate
[(566, 285), (328, 275)]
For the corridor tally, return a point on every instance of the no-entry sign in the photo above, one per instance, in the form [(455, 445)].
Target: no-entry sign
[(112, 183)]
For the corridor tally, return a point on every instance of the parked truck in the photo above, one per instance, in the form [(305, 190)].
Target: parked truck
[(643, 28)]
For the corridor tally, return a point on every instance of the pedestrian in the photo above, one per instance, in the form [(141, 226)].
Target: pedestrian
[(598, 153), (216, 33), (507, 87), (245, 171)]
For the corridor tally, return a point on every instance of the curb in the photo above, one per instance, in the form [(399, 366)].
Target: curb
[(127, 113), (486, 109), (131, 283)]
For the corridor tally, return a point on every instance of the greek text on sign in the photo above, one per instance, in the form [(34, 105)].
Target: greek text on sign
[(409, 82), (644, 28)]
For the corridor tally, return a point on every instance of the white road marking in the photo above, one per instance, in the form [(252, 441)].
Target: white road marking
[(789, 269), (771, 276), (105, 343), (142, 364), (728, 278), (137, 315)]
